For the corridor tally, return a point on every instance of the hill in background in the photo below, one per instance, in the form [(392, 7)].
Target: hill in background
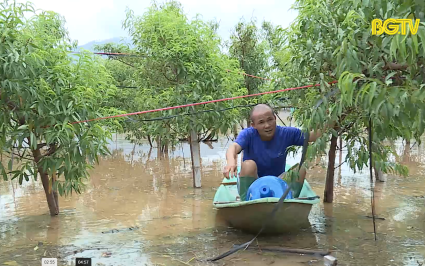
[(90, 45)]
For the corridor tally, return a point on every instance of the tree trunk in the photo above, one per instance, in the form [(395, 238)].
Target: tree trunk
[(158, 147), (235, 130), (150, 141), (406, 153), (165, 150), (329, 187), (166, 147), (50, 197), (340, 161), (241, 124), (55, 192)]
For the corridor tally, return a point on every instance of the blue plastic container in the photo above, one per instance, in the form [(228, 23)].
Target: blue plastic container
[(266, 187)]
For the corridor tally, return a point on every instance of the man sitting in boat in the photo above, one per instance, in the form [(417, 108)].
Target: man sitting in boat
[(264, 145)]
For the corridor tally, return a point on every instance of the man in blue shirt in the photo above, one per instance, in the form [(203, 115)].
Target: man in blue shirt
[(264, 145)]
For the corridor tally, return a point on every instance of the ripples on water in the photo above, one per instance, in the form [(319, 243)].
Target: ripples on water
[(175, 223)]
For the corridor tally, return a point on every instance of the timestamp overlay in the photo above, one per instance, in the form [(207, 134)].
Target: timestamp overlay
[(49, 262)]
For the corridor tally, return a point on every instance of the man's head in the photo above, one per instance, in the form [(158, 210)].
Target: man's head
[(263, 120)]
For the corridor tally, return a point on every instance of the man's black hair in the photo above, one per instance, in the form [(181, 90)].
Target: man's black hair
[(255, 107)]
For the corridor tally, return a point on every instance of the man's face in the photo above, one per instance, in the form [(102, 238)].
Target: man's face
[(264, 121)]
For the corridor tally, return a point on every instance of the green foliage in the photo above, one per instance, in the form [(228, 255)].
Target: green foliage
[(378, 76), (42, 91), (248, 46), (180, 62)]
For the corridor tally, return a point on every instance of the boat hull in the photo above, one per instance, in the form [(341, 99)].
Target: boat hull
[(250, 215), (291, 217)]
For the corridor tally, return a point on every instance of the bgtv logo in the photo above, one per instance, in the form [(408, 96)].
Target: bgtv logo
[(393, 26)]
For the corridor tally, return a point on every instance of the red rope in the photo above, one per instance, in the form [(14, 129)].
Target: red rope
[(200, 103), (194, 104)]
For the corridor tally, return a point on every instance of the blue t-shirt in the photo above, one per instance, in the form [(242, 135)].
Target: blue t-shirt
[(270, 156)]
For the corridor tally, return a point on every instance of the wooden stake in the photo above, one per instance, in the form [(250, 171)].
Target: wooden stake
[(196, 159)]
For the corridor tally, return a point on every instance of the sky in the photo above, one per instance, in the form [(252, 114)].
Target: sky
[(97, 20)]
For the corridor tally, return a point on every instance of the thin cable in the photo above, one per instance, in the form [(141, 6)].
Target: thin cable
[(372, 199), (112, 54), (202, 111), (195, 104)]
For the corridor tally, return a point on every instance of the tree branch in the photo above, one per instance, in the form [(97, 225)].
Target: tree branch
[(128, 64), (339, 165), (41, 145), (395, 66), (51, 151)]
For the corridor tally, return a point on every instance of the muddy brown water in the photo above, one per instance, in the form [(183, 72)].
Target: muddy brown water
[(175, 224)]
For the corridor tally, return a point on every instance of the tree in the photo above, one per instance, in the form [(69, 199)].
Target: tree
[(249, 48), (42, 92), (275, 37), (125, 75), (380, 78), (181, 63)]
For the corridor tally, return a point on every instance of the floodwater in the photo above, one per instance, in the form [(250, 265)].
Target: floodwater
[(162, 220)]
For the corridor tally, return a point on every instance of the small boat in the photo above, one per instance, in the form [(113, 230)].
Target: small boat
[(249, 216)]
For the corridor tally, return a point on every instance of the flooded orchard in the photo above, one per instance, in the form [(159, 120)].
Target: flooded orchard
[(141, 209)]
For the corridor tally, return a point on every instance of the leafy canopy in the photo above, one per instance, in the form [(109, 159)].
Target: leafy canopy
[(42, 90), (379, 77)]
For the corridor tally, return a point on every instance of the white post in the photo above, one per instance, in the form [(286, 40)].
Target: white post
[(330, 260), (381, 176), (196, 158)]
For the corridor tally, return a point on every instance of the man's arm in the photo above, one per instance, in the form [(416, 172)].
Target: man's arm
[(231, 158), (232, 153)]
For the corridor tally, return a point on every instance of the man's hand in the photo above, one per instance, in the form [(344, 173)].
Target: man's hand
[(231, 157), (230, 170), (315, 134)]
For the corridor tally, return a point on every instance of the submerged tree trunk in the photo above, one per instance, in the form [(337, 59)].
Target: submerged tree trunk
[(51, 196), (406, 152), (340, 160), (55, 192), (159, 147), (329, 187), (165, 150)]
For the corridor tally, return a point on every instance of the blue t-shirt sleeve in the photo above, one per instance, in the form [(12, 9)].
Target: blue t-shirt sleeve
[(295, 136), (243, 138)]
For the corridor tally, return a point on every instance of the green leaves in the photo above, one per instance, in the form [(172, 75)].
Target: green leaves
[(183, 65), (3, 172), (42, 90), (378, 76)]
